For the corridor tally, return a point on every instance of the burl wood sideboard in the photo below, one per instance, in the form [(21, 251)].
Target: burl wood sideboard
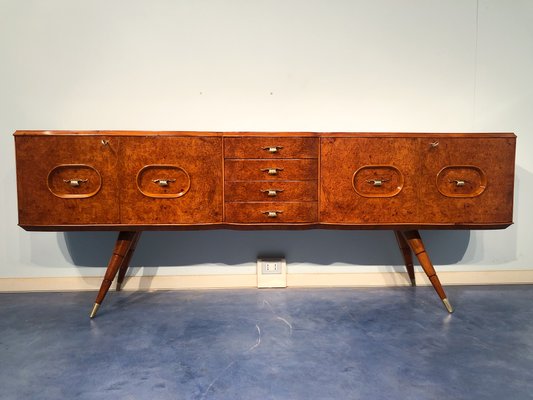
[(135, 181)]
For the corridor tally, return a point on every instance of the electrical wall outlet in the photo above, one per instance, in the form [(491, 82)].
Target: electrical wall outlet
[(271, 273), (271, 266)]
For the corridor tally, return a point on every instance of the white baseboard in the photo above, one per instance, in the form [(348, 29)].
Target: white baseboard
[(184, 282)]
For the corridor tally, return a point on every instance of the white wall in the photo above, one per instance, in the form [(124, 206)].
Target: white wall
[(313, 65)]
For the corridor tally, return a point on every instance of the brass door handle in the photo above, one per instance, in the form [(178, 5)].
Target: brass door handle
[(271, 171), (272, 214), (75, 182), (163, 182), (377, 182), (272, 149), (459, 182), (272, 192)]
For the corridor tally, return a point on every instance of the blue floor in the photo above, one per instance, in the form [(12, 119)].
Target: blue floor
[(385, 343)]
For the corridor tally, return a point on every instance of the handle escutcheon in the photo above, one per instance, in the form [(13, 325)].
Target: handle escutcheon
[(75, 182), (272, 149), (272, 213), (272, 192), (272, 171), (163, 182)]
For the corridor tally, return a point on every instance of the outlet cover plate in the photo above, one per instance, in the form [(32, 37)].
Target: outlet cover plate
[(271, 273)]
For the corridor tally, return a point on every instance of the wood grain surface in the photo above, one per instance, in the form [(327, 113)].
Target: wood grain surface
[(251, 212), (259, 147), (324, 180), (37, 157), (200, 157)]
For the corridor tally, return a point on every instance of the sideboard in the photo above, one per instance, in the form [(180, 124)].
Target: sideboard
[(131, 181)]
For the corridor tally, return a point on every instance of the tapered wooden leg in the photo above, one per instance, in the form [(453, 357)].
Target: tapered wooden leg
[(127, 260), (417, 246), (407, 256), (122, 247)]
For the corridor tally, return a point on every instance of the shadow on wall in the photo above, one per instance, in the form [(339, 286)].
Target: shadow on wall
[(322, 247)]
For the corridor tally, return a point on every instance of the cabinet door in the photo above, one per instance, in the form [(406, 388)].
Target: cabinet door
[(171, 180), (368, 180), (467, 180), (67, 180)]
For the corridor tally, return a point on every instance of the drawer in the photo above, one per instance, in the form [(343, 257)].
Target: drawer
[(258, 170), (271, 147), (271, 191), (271, 212)]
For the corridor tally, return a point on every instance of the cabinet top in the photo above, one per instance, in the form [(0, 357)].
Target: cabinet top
[(260, 134)]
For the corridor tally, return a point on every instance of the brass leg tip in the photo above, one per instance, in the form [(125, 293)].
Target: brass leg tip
[(447, 305), (119, 286), (95, 310), (413, 282)]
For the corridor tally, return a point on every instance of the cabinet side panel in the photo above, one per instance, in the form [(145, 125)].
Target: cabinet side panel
[(171, 180), (66, 180)]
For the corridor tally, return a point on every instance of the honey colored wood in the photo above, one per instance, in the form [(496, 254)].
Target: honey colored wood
[(341, 158), (270, 147), (297, 212), (417, 246), (200, 158), (127, 259), (479, 135), (121, 250), (264, 191), (39, 201), (493, 157), (258, 170), (135, 180), (407, 256)]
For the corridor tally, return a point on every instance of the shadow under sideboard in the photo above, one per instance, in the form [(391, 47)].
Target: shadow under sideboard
[(233, 247)]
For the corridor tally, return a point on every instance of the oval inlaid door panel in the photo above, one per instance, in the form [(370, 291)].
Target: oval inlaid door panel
[(461, 181), (163, 181), (378, 181), (74, 181)]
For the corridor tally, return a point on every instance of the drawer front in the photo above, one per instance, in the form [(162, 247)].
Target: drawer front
[(270, 147), (271, 212), (258, 170), (369, 180), (67, 180), (271, 191), (467, 180), (171, 180)]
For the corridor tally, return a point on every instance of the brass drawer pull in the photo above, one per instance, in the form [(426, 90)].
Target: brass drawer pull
[(75, 182), (272, 192), (459, 182), (434, 144), (271, 171), (273, 149), (377, 182), (272, 214), (163, 182)]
